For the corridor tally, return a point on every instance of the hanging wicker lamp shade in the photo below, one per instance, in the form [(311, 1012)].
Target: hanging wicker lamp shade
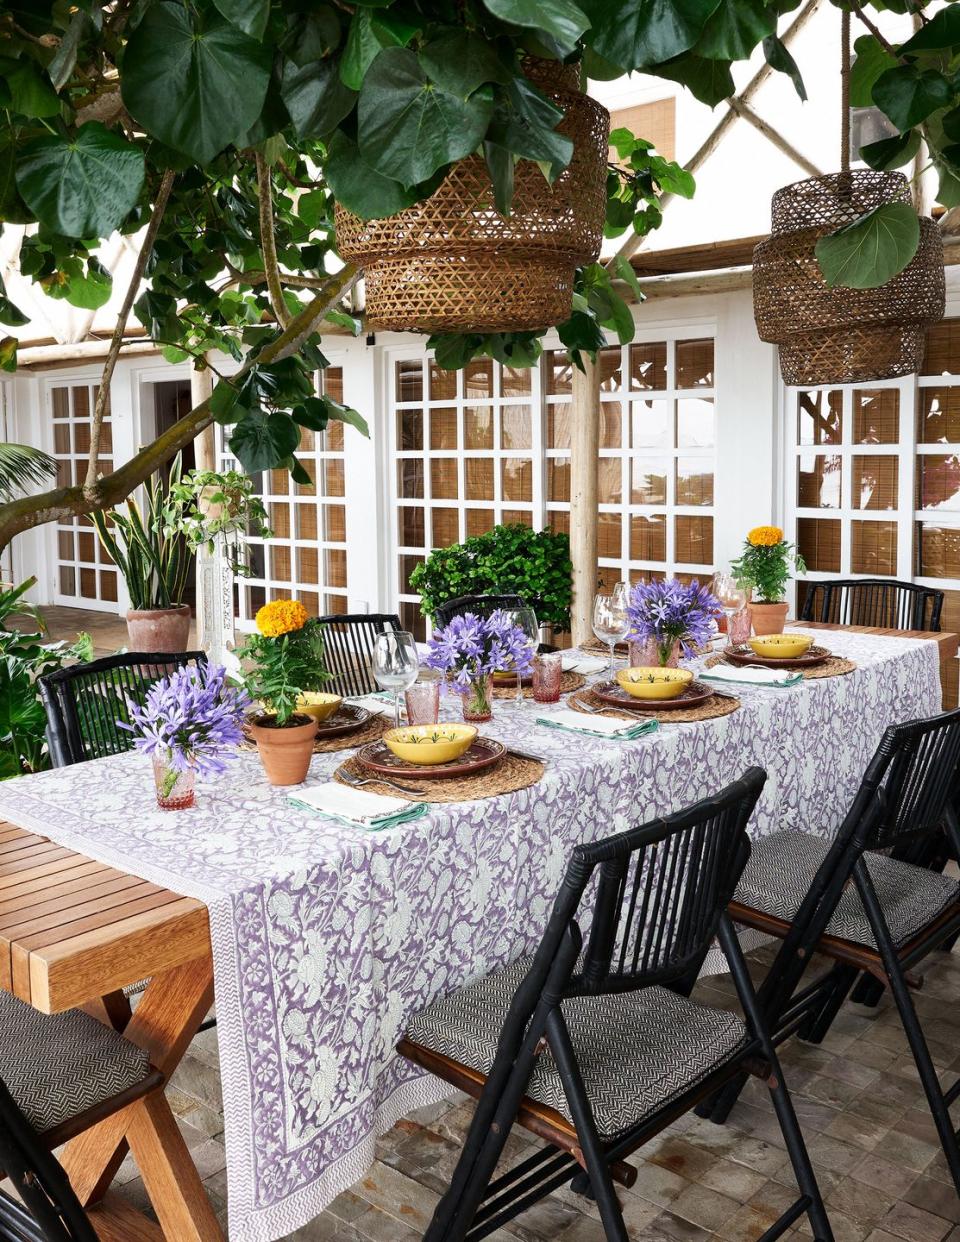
[(839, 335), (453, 264)]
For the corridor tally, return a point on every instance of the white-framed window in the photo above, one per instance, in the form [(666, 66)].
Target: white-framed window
[(491, 444), (306, 557)]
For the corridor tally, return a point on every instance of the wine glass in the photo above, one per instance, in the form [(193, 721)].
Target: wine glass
[(526, 620), (395, 665), (732, 597), (610, 620)]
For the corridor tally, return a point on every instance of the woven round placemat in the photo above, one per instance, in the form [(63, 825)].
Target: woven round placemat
[(568, 683), (372, 731), (715, 706), (836, 666), (510, 774)]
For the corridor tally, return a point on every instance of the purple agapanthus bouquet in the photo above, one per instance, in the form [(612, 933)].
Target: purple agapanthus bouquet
[(471, 647), (669, 612), (189, 719)]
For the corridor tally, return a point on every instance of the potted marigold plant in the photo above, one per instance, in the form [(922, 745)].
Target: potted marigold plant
[(764, 568), (285, 659)]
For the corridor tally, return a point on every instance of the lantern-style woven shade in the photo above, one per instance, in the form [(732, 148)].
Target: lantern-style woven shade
[(453, 264), (839, 335)]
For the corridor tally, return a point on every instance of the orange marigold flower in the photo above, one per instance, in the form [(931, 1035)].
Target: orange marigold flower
[(282, 616), (765, 536)]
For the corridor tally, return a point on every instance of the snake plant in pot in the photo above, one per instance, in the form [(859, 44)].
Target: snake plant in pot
[(155, 564)]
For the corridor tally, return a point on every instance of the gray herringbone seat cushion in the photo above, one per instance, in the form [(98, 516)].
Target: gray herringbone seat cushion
[(636, 1051), (782, 867), (56, 1066)]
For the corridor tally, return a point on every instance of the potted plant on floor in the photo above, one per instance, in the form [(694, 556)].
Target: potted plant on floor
[(285, 659), (155, 564), (764, 569)]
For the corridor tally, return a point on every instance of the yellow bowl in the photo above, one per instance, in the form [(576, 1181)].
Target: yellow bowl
[(320, 706), (430, 743), (654, 683), (781, 646)]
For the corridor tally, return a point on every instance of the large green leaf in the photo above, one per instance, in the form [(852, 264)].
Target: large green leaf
[(871, 250), (367, 37), (315, 97), (409, 126), (460, 62), (870, 62), (360, 188), (524, 123), (250, 16), (8, 353), (941, 31), (193, 80), (710, 81), (891, 152), (561, 19), (30, 92), (734, 30), (908, 95), (82, 186), (778, 57), (641, 33), (261, 441), (88, 288)]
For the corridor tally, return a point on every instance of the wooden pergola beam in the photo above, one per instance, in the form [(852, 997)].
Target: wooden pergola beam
[(584, 455)]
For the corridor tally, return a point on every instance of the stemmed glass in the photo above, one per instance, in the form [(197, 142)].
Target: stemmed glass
[(610, 620), (731, 595), (395, 665), (526, 620)]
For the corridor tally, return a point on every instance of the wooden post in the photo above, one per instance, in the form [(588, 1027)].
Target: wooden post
[(205, 449), (584, 455)]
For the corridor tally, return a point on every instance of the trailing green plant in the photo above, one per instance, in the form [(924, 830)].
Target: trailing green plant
[(205, 506), (152, 558), (510, 558), (24, 656)]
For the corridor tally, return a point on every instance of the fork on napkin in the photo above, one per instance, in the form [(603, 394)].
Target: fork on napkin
[(611, 727), (577, 662), (357, 807), (751, 675)]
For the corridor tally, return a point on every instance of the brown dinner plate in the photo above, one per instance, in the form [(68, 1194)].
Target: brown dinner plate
[(348, 718), (613, 694), (483, 752), (746, 655)]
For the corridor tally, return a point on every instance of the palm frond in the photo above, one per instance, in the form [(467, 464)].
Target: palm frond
[(21, 465)]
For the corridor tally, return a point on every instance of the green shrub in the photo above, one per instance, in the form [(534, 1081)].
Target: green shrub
[(533, 564)]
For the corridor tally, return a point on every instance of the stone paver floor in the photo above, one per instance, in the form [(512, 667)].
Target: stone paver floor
[(860, 1104)]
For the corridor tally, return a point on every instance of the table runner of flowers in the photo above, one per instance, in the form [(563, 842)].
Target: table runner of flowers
[(325, 938)]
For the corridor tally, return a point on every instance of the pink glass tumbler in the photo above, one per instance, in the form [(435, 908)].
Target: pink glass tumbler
[(547, 669), (423, 702)]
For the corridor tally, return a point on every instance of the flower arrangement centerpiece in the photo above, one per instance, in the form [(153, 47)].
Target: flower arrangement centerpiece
[(186, 724), (764, 568), (470, 649), (668, 619), (283, 660)]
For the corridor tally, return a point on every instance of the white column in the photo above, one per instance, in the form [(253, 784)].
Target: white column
[(584, 453), (365, 491)]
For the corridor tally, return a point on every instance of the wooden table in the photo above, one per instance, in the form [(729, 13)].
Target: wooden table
[(74, 933)]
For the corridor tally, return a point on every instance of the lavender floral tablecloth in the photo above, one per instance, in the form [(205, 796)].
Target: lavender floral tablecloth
[(325, 938)]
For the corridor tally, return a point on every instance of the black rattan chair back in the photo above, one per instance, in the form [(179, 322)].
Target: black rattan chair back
[(84, 702), (873, 601), (348, 642), (47, 1210), (918, 765), (479, 605)]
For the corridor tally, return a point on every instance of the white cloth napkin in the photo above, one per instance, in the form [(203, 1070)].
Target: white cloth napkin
[(752, 675), (373, 703), (575, 661), (355, 806), (606, 726)]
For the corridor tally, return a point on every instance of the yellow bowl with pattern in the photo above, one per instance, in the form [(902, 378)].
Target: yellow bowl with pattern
[(654, 683), (781, 646), (318, 705), (428, 744)]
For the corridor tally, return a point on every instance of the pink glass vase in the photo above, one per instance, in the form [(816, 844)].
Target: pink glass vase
[(174, 789), (648, 654), (477, 701)]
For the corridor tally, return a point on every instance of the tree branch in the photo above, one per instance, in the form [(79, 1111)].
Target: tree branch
[(884, 43), (103, 392), (268, 242), (27, 512)]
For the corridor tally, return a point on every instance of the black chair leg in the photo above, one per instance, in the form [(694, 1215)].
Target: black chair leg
[(812, 1200), (868, 991), (841, 979)]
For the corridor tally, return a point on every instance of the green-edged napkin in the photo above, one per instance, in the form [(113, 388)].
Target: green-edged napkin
[(751, 675), (356, 807), (615, 730)]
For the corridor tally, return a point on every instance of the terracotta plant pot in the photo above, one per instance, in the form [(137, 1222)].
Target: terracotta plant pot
[(767, 618), (159, 629), (285, 753)]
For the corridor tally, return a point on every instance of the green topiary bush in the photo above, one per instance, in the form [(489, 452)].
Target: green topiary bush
[(514, 558)]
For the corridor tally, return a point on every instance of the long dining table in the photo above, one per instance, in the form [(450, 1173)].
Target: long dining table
[(321, 939)]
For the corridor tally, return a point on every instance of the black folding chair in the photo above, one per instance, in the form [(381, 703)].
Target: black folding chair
[(873, 601), (596, 1050), (864, 910), (61, 1074), (84, 701), (348, 642)]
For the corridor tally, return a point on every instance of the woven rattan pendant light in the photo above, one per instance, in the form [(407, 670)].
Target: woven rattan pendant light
[(838, 335), (453, 264)]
